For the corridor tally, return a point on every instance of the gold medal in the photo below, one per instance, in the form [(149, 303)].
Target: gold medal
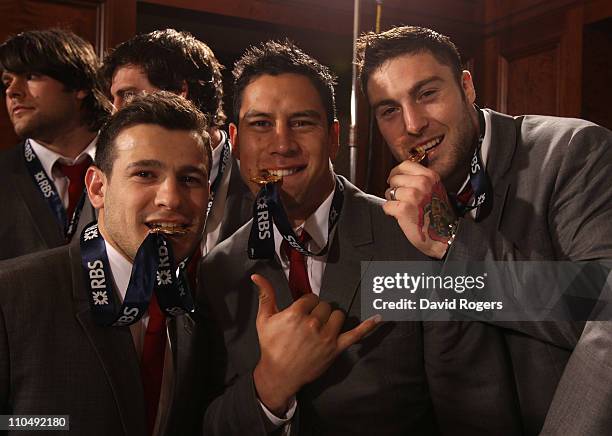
[(166, 230), (265, 178), (417, 154)]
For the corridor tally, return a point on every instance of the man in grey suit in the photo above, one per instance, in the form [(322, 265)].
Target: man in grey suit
[(178, 62), (512, 188), (65, 347), (279, 362), (56, 105)]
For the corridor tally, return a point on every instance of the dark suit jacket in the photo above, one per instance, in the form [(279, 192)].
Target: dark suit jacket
[(27, 224), (55, 360), (238, 204), (405, 378), (552, 201)]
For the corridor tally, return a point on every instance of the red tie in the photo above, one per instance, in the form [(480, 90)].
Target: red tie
[(76, 177), (298, 275), (152, 361), (466, 195)]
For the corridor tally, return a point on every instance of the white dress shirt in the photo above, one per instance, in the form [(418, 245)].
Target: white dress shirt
[(121, 269), (215, 217), (48, 158)]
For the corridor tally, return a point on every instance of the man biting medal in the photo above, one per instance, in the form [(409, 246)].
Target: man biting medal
[(100, 330)]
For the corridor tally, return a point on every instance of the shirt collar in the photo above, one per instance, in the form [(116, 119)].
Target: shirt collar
[(317, 226), (48, 157), (485, 147), (486, 141), (121, 269), (217, 152)]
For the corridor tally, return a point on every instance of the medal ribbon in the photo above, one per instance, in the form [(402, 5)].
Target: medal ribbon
[(479, 181), (47, 189), (152, 271), (268, 210), (226, 153)]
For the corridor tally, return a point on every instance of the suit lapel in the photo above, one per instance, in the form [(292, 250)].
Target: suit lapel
[(501, 152), (42, 218), (272, 270), (114, 347), (349, 247), (238, 203)]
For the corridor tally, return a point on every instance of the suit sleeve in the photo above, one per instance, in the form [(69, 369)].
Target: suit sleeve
[(579, 225), (231, 407)]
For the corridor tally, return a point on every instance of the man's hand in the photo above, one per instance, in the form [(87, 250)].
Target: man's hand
[(420, 204), (297, 344)]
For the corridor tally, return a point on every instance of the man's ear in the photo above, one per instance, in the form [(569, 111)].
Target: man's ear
[(184, 90), (468, 86), (334, 137), (95, 182), (82, 93), (233, 132)]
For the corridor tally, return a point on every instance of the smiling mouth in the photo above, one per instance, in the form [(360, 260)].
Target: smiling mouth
[(418, 153), (171, 229)]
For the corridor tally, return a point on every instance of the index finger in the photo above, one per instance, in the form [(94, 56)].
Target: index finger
[(410, 168), (347, 339)]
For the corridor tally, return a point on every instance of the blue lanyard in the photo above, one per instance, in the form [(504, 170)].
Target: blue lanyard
[(226, 153), (479, 181), (268, 210), (47, 189), (153, 271)]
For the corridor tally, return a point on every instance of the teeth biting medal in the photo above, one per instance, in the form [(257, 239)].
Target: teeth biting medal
[(168, 230), (417, 154), (266, 177)]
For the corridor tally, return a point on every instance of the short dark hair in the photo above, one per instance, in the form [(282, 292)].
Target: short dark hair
[(374, 49), (281, 57), (169, 59), (165, 109), (63, 56)]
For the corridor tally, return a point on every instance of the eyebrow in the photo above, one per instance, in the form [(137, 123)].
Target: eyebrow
[(412, 91), (310, 113), (146, 163), (152, 163), (121, 91)]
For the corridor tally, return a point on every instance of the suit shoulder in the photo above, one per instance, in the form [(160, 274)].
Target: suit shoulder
[(22, 274), (562, 132), (35, 263), (232, 248)]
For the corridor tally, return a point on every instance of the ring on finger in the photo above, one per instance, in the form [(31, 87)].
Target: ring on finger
[(392, 193)]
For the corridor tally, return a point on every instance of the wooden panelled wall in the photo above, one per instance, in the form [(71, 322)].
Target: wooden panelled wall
[(104, 23), (528, 56)]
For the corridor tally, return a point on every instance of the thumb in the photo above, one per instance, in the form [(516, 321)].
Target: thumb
[(267, 298)]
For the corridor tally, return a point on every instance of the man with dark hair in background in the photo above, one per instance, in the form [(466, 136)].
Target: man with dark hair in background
[(177, 62), (56, 105), (97, 330), (511, 188)]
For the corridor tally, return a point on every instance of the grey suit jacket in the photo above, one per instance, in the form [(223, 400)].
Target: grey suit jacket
[(552, 201), (27, 224), (55, 360), (405, 378), (238, 204)]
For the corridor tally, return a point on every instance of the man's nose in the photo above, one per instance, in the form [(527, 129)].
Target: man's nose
[(284, 141), (168, 194), (15, 88), (415, 120)]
